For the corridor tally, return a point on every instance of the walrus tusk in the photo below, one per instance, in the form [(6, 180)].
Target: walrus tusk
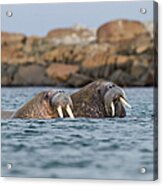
[(112, 108), (69, 111), (123, 101), (59, 109)]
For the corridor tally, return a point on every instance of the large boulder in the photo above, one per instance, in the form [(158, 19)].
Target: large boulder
[(61, 72), (60, 54), (103, 64), (78, 80), (14, 49), (97, 60), (127, 37), (12, 56), (138, 69), (12, 39), (120, 30), (122, 78), (106, 58), (149, 78), (31, 75), (7, 74), (74, 35)]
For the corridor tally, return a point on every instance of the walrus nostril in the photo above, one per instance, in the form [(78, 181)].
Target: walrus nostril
[(60, 91)]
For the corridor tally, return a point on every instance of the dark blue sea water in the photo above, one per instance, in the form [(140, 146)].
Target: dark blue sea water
[(82, 148)]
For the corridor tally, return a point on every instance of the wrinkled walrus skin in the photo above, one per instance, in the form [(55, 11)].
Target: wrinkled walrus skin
[(44, 105), (90, 100), (98, 99), (38, 107)]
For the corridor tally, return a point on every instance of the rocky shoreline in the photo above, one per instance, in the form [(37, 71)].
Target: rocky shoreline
[(120, 51)]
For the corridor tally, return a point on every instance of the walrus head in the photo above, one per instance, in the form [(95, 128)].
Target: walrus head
[(114, 100), (61, 101), (47, 104)]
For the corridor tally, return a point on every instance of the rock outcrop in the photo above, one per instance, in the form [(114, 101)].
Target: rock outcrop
[(121, 51), (120, 31)]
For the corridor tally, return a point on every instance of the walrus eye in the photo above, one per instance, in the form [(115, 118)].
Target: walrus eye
[(46, 96)]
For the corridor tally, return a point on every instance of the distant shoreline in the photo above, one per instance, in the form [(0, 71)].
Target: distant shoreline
[(121, 51)]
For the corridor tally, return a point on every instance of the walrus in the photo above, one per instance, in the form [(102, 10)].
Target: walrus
[(47, 104), (98, 99)]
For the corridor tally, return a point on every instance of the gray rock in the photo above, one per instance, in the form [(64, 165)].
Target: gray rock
[(31, 75), (138, 69), (148, 78), (7, 74), (121, 78), (78, 80)]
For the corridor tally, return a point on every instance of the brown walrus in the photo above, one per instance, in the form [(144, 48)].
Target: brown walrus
[(46, 105), (98, 99)]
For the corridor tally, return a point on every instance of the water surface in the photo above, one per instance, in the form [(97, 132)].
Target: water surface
[(82, 148)]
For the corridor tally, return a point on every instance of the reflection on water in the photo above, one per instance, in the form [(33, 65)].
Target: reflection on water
[(81, 148)]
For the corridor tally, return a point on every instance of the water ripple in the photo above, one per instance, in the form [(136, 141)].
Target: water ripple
[(81, 148)]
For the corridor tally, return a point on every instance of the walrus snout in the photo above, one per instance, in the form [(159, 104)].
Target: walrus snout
[(115, 100), (62, 102)]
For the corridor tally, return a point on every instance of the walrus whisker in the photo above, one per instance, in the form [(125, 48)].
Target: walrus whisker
[(124, 102), (69, 111), (113, 109), (59, 109)]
